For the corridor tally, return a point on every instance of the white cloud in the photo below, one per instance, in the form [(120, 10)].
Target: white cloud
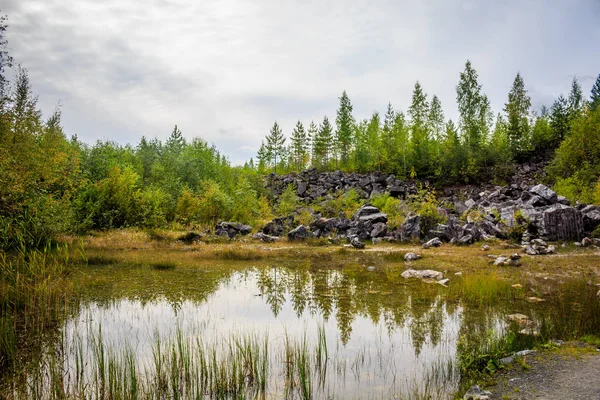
[(225, 70)]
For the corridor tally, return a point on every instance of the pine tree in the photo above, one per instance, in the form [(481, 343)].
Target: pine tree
[(418, 112), (176, 141), (436, 119), (313, 130), (276, 144), (374, 142), (595, 97), (402, 140), (299, 146), (323, 143), (388, 142), (576, 100), (559, 120), (469, 99), (343, 134), (263, 157), (517, 113)]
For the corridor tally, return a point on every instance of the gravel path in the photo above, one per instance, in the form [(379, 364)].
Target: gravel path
[(552, 376)]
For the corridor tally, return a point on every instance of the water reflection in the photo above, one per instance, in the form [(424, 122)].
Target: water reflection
[(385, 336)]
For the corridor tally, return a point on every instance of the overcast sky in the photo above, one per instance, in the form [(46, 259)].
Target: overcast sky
[(225, 70)]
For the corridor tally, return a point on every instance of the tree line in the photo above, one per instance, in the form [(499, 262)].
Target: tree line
[(53, 184), (423, 143)]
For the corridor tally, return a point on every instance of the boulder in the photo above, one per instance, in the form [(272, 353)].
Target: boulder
[(411, 256), (356, 243), (558, 222), (232, 229), (591, 220), (544, 192), (423, 274), (435, 242), (411, 228), (476, 393), (531, 251), (466, 239), (299, 233), (586, 242), (379, 230), (365, 211), (264, 237)]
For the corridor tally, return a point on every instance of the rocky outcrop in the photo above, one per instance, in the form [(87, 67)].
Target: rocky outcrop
[(311, 184), (472, 215)]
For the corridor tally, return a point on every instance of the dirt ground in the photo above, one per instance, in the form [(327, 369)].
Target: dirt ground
[(561, 375)]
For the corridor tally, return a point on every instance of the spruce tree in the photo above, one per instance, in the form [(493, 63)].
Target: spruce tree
[(576, 100), (418, 112), (595, 97), (263, 157), (559, 120), (323, 143), (389, 145), (343, 134), (276, 144), (299, 146), (469, 99), (517, 113), (374, 142), (313, 130), (435, 119)]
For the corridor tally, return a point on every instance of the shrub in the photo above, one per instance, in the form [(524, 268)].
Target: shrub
[(288, 201), (425, 205)]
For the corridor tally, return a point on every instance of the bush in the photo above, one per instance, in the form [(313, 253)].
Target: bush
[(425, 205), (346, 203), (215, 203), (288, 201)]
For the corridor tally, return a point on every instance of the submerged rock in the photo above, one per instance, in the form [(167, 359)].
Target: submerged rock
[(423, 274), (476, 393)]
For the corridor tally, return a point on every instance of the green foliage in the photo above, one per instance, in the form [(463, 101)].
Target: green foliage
[(345, 202), (517, 112), (216, 205), (425, 204), (395, 209), (288, 201), (575, 168)]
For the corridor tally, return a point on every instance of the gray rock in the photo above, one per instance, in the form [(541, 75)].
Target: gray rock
[(365, 211), (476, 393), (591, 219), (435, 242), (411, 256), (466, 239), (586, 242), (444, 282), (379, 230), (544, 192), (356, 243), (470, 203), (485, 247), (264, 237), (299, 233), (539, 242), (423, 274), (411, 228), (232, 229), (531, 251)]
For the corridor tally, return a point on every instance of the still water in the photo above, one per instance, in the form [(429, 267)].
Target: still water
[(289, 330)]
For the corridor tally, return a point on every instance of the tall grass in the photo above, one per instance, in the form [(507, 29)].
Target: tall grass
[(32, 296), (236, 366)]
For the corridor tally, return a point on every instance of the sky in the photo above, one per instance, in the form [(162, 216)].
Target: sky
[(226, 70)]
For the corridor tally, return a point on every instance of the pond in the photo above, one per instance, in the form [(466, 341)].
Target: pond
[(292, 327)]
